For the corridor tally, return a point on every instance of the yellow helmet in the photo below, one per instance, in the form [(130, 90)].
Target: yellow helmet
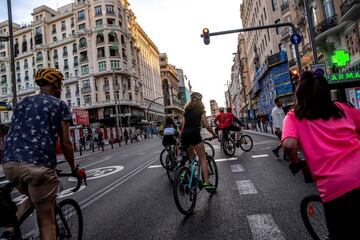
[(48, 76)]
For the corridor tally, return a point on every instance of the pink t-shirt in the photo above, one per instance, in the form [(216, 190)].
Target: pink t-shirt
[(331, 149)]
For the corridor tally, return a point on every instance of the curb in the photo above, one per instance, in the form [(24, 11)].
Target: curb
[(260, 133)]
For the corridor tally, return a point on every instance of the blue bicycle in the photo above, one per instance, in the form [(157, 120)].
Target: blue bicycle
[(188, 182)]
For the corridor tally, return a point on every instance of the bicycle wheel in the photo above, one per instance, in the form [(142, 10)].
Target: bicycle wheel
[(69, 220), (313, 216), (184, 193), (162, 157), (213, 173), (229, 147), (209, 149), (246, 143)]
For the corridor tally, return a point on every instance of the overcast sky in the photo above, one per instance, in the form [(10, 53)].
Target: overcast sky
[(175, 27)]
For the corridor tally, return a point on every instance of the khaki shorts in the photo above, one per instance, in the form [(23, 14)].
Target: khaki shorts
[(39, 183)]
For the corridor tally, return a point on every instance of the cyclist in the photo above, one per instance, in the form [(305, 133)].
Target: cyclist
[(194, 117), (228, 124), (219, 120), (329, 134), (171, 131), (278, 116), (30, 157)]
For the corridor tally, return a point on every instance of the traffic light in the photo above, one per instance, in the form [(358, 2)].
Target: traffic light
[(206, 36)]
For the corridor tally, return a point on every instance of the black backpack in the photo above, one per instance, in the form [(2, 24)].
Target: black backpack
[(8, 208)]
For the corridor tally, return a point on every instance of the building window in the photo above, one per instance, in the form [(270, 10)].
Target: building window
[(56, 65), (352, 42), (274, 5), (55, 54), (114, 64), (66, 64), (113, 52), (277, 29), (82, 26), (102, 66), (78, 101), (69, 103), (83, 57), (3, 90), (82, 43), (99, 23), (17, 65), (87, 99), (98, 11), (130, 96), (26, 75), (63, 25), (54, 39), (112, 37), (81, 15), (65, 52), (84, 70), (101, 52), (39, 57), (111, 22), (18, 77), (107, 96), (76, 61), (100, 38), (110, 9), (72, 22), (3, 68), (26, 64), (86, 84), (74, 48), (63, 36)]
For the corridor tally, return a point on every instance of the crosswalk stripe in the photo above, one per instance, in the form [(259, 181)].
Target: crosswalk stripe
[(246, 187), (260, 156), (225, 159), (263, 227), (237, 168), (155, 166)]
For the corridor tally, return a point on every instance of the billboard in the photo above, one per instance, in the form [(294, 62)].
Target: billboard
[(81, 117)]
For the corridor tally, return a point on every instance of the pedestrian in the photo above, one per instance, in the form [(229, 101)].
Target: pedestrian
[(328, 132), (278, 116), (82, 141), (131, 136), (126, 136), (100, 140)]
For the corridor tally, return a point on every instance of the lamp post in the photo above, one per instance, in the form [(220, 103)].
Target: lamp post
[(116, 107), (311, 30), (12, 54)]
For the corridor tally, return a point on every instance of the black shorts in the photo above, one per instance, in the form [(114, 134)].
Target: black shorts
[(232, 128), (191, 137), (168, 140)]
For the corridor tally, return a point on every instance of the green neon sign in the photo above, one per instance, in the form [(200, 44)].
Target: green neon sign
[(340, 58), (346, 76)]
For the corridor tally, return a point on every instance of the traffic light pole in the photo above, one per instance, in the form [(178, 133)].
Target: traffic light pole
[(287, 24), (12, 55)]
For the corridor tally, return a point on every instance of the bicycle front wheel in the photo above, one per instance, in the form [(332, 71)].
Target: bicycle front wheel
[(313, 216), (209, 149), (229, 147), (184, 191), (162, 157), (213, 173), (246, 143), (69, 220)]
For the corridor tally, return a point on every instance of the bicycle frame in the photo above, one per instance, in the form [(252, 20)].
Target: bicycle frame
[(192, 170)]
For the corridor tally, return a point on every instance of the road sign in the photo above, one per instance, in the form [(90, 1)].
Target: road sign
[(319, 68), (4, 106), (4, 38), (295, 38)]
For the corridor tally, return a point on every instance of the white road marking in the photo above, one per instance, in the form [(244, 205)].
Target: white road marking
[(94, 163), (260, 156), (266, 148), (99, 172), (264, 142), (246, 187), (3, 182), (142, 153), (237, 168), (263, 227), (225, 159), (155, 166)]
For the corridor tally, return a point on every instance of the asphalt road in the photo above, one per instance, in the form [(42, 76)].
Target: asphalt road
[(130, 197)]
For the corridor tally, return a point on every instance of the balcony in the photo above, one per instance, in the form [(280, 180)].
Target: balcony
[(350, 9), (106, 88), (85, 90), (327, 24), (284, 7)]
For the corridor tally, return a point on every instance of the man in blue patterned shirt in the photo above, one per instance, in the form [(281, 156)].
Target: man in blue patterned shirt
[(30, 157)]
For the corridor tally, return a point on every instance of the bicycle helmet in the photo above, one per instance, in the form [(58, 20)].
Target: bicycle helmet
[(46, 76), (221, 109), (196, 96)]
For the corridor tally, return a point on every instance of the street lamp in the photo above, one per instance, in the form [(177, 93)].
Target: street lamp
[(12, 54), (116, 107)]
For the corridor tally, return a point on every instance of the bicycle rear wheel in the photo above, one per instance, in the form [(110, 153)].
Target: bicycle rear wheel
[(69, 220), (313, 216), (184, 193), (209, 149), (246, 143), (163, 157), (213, 173), (229, 147)]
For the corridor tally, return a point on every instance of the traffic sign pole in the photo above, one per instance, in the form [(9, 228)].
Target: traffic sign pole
[(12, 54)]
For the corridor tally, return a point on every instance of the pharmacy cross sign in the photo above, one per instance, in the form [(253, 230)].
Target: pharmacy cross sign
[(340, 58)]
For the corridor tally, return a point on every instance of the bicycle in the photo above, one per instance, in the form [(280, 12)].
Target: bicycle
[(188, 182), (67, 212), (311, 208), (172, 163), (229, 143)]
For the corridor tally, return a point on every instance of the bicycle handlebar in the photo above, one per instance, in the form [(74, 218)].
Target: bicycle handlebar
[(303, 167), (80, 179)]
